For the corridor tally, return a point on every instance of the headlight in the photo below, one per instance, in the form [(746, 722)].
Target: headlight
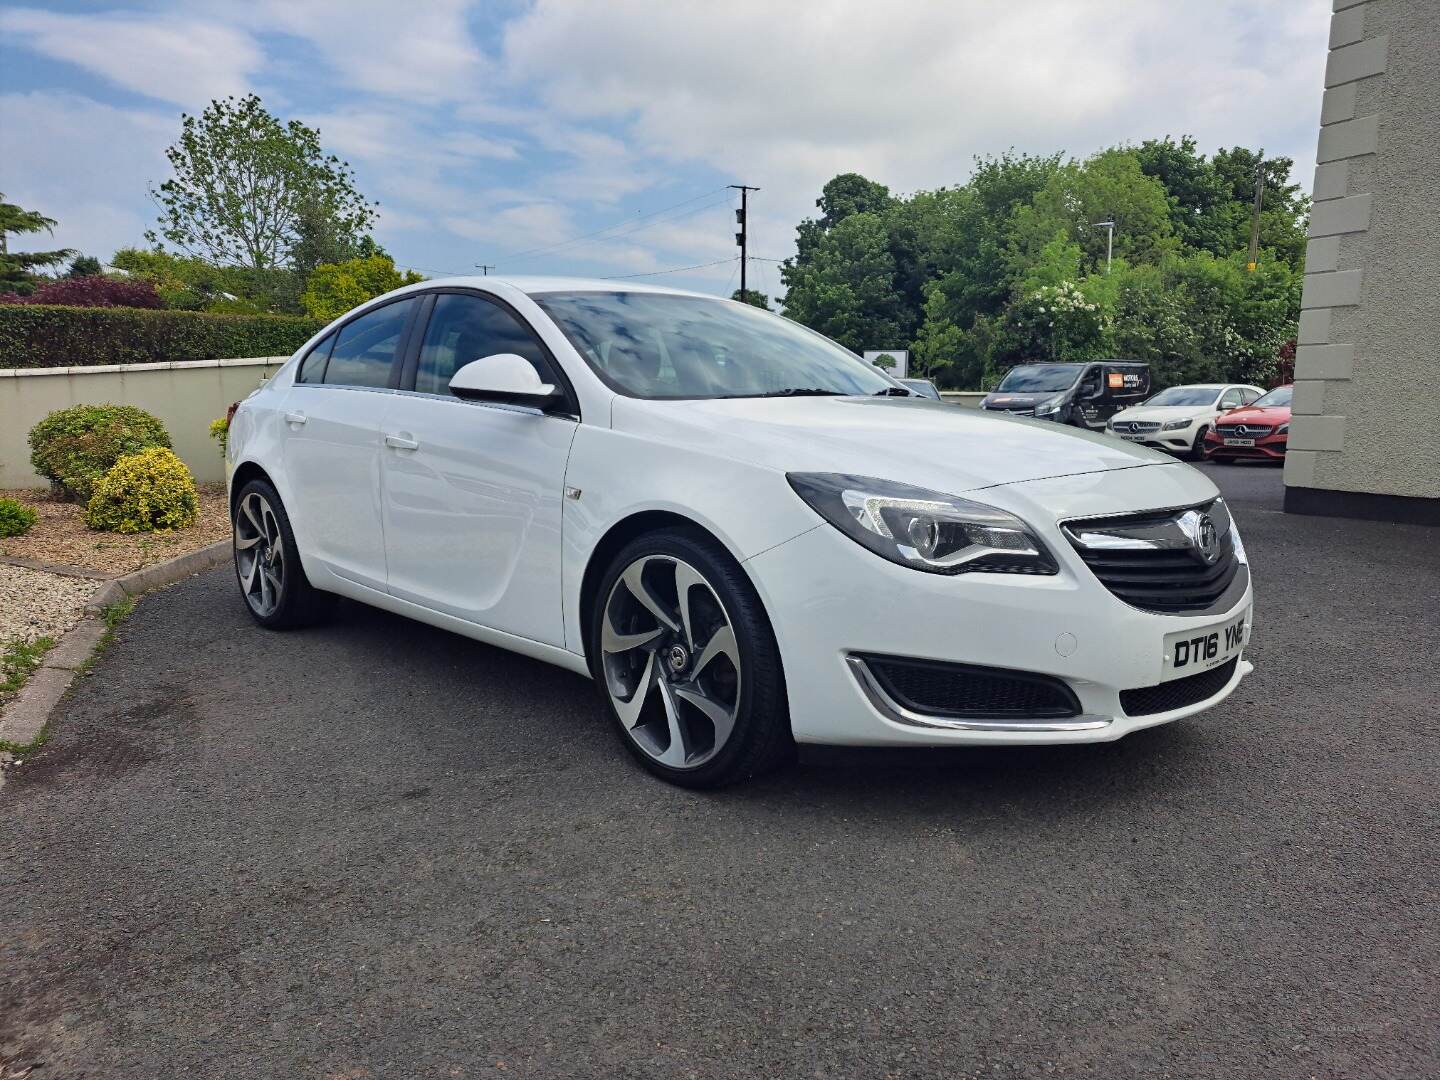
[(926, 530), (1046, 408), (1282, 429), (1176, 425)]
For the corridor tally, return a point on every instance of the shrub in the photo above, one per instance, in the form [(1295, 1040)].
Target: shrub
[(220, 431), (75, 447), (94, 290), (39, 335), (15, 518), (150, 491)]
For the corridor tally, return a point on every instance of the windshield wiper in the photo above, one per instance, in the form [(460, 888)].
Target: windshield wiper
[(800, 391), (894, 391)]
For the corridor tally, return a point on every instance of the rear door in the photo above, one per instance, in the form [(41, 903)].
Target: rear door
[(331, 442), (472, 490)]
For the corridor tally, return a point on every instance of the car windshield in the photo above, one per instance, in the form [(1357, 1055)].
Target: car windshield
[(1185, 395), (1279, 396), (1039, 379), (924, 387), (656, 345)]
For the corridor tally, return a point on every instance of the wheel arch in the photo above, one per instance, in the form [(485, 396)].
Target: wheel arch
[(243, 474), (615, 538)]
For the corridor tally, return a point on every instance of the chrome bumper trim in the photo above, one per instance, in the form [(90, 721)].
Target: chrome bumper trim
[(893, 710)]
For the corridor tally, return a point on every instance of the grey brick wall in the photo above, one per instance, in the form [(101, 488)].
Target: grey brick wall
[(1367, 367)]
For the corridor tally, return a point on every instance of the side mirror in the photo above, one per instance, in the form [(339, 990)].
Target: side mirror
[(504, 377)]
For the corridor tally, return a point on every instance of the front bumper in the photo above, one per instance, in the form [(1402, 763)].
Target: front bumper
[(1179, 441), (1270, 448), (830, 600)]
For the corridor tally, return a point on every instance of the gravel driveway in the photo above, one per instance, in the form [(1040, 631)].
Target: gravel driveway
[(379, 850)]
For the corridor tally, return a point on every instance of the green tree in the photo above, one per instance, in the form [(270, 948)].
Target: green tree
[(885, 362), (1108, 186), (753, 297), (335, 288), (17, 267), (846, 289), (249, 191), (84, 266)]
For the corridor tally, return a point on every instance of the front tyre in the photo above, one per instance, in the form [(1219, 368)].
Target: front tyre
[(277, 593), (1197, 448), (687, 661)]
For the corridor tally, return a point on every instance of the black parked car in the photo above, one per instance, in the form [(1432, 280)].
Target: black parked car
[(1084, 395)]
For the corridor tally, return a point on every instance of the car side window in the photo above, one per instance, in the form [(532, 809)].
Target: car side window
[(365, 347), (1247, 396), (312, 368), (464, 328), (1232, 399)]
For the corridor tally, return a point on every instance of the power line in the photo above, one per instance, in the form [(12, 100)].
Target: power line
[(528, 252), (676, 270)]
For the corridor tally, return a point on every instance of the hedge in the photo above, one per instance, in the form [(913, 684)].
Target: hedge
[(43, 335)]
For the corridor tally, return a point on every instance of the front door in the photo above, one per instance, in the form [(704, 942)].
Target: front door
[(472, 491), (331, 431)]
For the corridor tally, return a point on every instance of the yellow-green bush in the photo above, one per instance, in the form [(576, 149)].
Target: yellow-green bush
[(15, 518), (75, 447), (151, 491)]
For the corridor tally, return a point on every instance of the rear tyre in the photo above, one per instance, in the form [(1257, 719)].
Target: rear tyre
[(1197, 449), (687, 661), (273, 584)]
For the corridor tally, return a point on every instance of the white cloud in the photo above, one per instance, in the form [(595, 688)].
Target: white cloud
[(786, 96), (586, 105), (169, 57), (418, 52), (84, 164)]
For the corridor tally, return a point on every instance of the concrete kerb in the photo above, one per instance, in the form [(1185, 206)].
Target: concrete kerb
[(23, 721)]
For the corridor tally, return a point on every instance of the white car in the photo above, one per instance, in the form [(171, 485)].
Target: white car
[(748, 536), (1178, 418)]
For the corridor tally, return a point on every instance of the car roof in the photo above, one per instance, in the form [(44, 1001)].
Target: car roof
[(535, 284)]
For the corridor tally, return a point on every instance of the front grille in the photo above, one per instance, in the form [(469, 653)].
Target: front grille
[(1171, 578), (1172, 582), (1138, 427), (1252, 431), (934, 688), (1178, 693), (1011, 411)]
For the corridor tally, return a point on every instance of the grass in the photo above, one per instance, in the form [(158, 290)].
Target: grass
[(112, 615), (18, 660)]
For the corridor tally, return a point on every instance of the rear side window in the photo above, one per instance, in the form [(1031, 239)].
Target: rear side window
[(1232, 399), (365, 348), (465, 328), (312, 368)]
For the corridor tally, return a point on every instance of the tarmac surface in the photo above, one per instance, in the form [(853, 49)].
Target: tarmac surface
[(375, 849)]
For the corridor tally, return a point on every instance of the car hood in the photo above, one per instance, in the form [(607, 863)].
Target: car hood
[(1270, 414), (1010, 400), (1161, 412), (944, 447)]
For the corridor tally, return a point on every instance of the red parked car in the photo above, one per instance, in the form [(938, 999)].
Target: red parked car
[(1258, 430)]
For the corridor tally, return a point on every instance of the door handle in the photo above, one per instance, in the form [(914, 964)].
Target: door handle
[(401, 442), (296, 418)]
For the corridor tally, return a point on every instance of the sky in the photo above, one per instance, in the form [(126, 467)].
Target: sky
[(597, 138)]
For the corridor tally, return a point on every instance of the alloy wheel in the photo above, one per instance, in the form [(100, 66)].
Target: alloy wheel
[(259, 554), (670, 661)]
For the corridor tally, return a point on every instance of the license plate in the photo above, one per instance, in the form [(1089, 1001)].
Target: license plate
[(1239, 442), (1189, 652), (1133, 438)]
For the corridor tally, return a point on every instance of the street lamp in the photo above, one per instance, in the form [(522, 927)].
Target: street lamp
[(1109, 227)]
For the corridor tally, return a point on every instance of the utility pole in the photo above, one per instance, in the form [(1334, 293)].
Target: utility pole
[(740, 216), (1254, 259), (484, 268), (1109, 227)]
